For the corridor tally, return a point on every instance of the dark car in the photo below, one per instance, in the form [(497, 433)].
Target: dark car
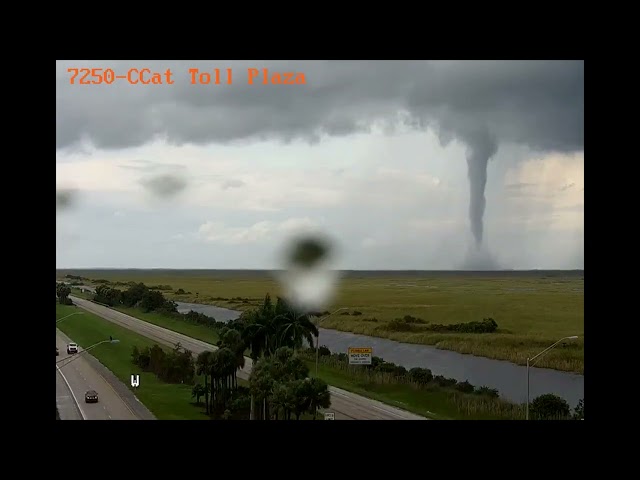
[(57, 352), (91, 397)]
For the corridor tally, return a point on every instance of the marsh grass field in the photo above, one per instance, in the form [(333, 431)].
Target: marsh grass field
[(533, 309)]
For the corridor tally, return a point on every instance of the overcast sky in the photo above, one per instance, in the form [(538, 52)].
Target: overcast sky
[(379, 156)]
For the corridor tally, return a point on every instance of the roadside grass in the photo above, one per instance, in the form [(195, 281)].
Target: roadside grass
[(165, 401), (180, 326), (532, 310)]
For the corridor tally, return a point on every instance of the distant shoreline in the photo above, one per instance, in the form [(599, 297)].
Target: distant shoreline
[(110, 269)]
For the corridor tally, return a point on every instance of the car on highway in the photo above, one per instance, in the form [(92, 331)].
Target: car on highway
[(72, 348), (91, 396), (57, 352)]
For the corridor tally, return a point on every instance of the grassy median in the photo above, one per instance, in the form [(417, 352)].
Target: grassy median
[(165, 401), (190, 330)]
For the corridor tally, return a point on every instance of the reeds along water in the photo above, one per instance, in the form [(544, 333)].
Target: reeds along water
[(475, 406), (468, 404)]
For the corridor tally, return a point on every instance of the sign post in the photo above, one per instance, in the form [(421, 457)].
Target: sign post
[(360, 355)]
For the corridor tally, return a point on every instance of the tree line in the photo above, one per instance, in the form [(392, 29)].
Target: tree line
[(137, 295)]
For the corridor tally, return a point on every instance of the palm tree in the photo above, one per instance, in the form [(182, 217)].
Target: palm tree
[(203, 363), (293, 327), (261, 383), (198, 391), (232, 339), (283, 399), (319, 396), (223, 369), (259, 332)]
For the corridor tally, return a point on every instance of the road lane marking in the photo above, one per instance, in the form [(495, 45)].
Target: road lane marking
[(91, 388), (82, 414), (118, 395)]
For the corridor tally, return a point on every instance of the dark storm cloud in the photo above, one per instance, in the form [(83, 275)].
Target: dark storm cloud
[(539, 103)]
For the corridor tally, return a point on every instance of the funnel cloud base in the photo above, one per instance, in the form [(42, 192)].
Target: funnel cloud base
[(479, 258)]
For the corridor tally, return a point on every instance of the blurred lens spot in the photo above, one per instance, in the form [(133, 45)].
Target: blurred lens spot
[(65, 199), (164, 186), (308, 281), (308, 252)]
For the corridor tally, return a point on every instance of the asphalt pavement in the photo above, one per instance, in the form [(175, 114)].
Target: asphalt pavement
[(78, 373), (345, 405)]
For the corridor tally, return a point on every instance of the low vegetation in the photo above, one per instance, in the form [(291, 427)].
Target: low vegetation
[(262, 332), (532, 309)]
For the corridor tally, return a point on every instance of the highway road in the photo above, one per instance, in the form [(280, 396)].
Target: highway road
[(345, 405), (74, 376)]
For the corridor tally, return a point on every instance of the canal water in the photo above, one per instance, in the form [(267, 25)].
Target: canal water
[(508, 378)]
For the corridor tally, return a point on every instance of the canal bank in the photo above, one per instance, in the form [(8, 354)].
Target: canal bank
[(508, 378)]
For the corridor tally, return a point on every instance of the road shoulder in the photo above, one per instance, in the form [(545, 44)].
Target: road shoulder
[(127, 396)]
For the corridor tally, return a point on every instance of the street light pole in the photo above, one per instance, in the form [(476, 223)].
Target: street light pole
[(529, 364), (67, 316), (318, 337)]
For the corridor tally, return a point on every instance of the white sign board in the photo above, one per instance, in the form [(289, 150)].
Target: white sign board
[(329, 416), (360, 356)]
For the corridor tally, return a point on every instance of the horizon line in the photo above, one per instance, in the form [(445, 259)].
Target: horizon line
[(336, 269)]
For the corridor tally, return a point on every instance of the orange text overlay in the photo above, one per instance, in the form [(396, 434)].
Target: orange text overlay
[(193, 76)]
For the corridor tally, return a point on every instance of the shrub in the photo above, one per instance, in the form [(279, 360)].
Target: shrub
[(487, 325), (411, 319), (324, 351), (486, 391), (549, 407), (400, 325), (444, 381), (464, 387), (421, 376), (578, 412)]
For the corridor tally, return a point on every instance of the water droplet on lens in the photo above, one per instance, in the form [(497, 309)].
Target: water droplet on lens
[(309, 281)]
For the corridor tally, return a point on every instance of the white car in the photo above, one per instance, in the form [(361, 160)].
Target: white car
[(72, 348)]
